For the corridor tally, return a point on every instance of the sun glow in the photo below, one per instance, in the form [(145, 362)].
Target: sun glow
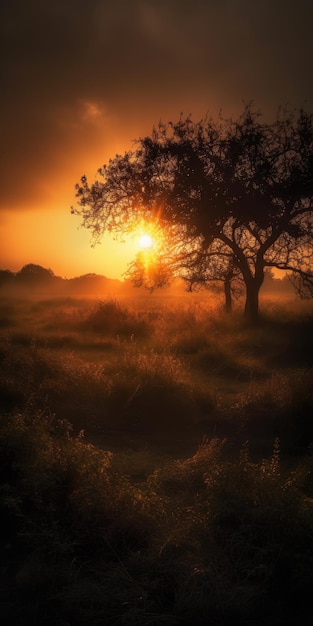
[(145, 241), (148, 237)]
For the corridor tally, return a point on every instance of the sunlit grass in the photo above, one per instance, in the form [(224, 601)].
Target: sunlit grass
[(108, 363)]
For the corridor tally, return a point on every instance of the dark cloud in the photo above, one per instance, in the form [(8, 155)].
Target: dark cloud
[(77, 73)]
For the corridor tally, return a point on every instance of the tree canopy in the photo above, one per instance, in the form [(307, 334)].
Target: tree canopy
[(233, 196)]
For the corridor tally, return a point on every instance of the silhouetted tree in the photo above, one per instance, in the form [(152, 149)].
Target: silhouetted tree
[(303, 284), (239, 191), (216, 272), (31, 269), (32, 275), (198, 270)]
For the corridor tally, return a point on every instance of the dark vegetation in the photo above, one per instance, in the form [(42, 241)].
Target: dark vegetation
[(156, 463)]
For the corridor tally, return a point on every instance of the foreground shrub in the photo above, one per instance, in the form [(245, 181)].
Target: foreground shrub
[(206, 539), (281, 406), (240, 548), (60, 504)]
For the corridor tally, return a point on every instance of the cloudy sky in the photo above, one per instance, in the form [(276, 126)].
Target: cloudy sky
[(80, 79)]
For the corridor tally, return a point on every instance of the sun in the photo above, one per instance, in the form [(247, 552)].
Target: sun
[(145, 241), (148, 239)]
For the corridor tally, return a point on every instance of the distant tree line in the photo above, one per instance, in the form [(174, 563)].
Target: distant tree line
[(29, 275), (33, 277)]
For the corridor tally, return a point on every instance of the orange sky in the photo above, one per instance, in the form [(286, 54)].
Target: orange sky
[(81, 80)]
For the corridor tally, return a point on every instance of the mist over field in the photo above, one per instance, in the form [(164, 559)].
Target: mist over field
[(156, 457)]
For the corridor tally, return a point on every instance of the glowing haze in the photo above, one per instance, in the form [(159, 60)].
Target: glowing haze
[(81, 80)]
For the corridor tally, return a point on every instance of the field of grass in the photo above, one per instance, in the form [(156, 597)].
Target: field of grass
[(156, 463)]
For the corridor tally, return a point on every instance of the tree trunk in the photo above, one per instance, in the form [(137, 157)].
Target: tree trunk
[(227, 292), (252, 301)]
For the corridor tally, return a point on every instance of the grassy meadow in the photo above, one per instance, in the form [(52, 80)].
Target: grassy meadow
[(156, 462)]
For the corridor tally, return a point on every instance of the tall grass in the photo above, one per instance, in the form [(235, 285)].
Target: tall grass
[(156, 465), (205, 538)]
